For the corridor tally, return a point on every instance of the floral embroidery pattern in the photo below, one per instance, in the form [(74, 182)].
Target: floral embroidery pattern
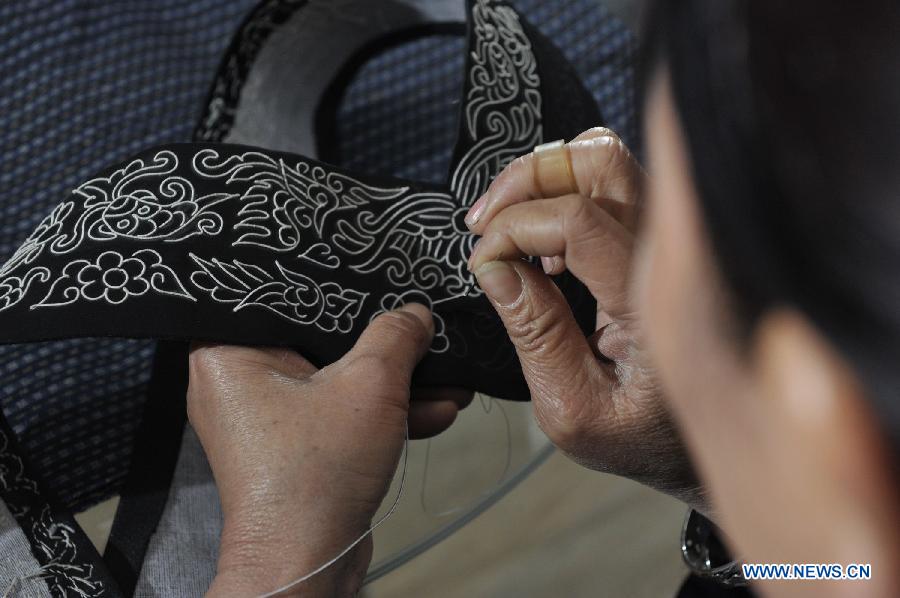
[(392, 301), (411, 237), (114, 278), (234, 208)]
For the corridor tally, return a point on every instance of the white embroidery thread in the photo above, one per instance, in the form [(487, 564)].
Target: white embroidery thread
[(53, 539), (503, 98), (289, 294), (392, 301), (14, 288), (113, 278), (124, 206), (414, 238)]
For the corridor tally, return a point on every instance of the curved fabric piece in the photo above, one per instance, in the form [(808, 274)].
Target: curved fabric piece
[(244, 245), (75, 404)]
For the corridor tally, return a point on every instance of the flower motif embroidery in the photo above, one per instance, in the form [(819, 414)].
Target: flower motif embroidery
[(113, 278)]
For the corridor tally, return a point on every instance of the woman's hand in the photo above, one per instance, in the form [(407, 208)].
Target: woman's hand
[(596, 398), (303, 458)]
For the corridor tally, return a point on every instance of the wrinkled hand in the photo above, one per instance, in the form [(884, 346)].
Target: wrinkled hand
[(595, 398), (303, 458)]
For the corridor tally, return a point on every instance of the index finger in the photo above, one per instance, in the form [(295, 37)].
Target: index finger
[(603, 168)]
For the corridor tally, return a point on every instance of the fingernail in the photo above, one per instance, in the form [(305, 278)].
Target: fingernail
[(472, 256), (547, 263), (420, 311), (476, 211), (500, 281)]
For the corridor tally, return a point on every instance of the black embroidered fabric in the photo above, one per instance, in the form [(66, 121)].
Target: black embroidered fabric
[(212, 241), (134, 78), (84, 83), (215, 241)]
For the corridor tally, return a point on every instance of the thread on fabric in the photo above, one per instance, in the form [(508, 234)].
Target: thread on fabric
[(43, 571), (362, 537)]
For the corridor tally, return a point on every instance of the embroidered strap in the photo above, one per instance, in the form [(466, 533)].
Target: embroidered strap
[(70, 565), (237, 244)]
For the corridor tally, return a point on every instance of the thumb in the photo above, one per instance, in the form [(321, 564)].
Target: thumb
[(387, 352), (559, 366)]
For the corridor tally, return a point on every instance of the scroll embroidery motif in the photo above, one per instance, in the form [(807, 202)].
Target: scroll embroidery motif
[(405, 235), (414, 239), (142, 202), (114, 278), (503, 103)]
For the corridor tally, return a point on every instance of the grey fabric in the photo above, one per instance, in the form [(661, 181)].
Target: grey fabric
[(181, 558), (302, 56), (17, 562), (399, 115)]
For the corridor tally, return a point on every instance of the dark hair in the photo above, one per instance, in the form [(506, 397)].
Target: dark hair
[(791, 111)]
